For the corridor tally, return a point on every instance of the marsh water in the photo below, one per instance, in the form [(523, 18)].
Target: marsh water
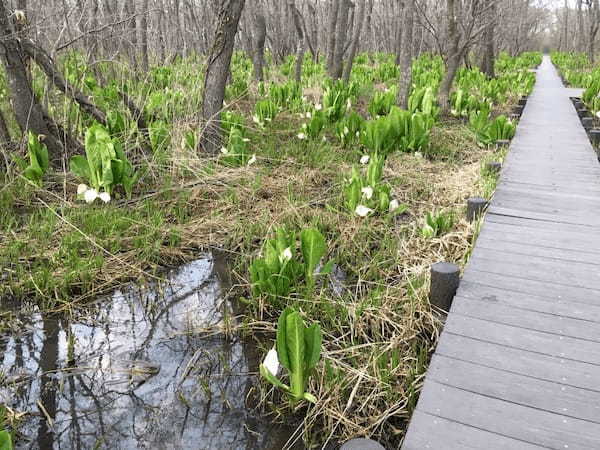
[(148, 367)]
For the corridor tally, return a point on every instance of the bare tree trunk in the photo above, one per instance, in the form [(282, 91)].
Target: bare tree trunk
[(144, 27), (361, 21), (301, 48), (340, 40), (453, 57), (580, 30), (260, 33), (487, 62), (217, 70), (594, 24), (331, 42), (28, 111), (406, 55)]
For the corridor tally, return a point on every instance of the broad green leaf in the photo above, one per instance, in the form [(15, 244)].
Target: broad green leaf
[(281, 339), (5, 441), (294, 330), (312, 340), (313, 246), (80, 167)]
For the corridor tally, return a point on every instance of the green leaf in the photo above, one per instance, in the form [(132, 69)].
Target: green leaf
[(313, 246), (312, 340), (281, 339), (5, 440), (294, 330), (267, 376)]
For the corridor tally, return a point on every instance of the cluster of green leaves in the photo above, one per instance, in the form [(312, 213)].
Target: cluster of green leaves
[(382, 102), (298, 350), (6, 438), (286, 95), (236, 153), (399, 130), (38, 160), (349, 128), (366, 193), (575, 68), (490, 131), (287, 268), (316, 123), (437, 224), (337, 98), (105, 164), (264, 112)]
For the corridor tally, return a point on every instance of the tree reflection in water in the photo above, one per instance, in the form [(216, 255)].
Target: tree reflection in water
[(132, 371)]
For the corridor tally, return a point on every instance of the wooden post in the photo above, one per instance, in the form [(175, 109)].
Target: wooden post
[(475, 208), (445, 278), (494, 166), (595, 137), (588, 123), (361, 444)]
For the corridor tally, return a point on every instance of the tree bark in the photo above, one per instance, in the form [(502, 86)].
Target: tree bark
[(453, 57), (301, 46), (340, 40), (144, 27), (217, 70), (260, 34), (361, 20), (331, 42), (28, 111), (406, 55), (487, 61)]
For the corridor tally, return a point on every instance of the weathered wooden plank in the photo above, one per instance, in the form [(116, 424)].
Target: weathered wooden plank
[(520, 338), (537, 268), (579, 219), (519, 244), (588, 310), (432, 432), (557, 398), (537, 365), (509, 419), (524, 318), (543, 225), (540, 288)]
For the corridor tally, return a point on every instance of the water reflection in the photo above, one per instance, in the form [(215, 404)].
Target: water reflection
[(134, 371)]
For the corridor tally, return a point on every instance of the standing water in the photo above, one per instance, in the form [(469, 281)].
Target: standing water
[(148, 367)]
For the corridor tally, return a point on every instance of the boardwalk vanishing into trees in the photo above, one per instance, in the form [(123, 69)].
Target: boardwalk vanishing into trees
[(518, 362)]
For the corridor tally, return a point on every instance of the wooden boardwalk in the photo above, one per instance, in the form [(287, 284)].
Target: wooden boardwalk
[(518, 362)]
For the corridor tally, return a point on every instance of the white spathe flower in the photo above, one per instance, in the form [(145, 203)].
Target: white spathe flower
[(271, 362), (252, 160), (224, 150), (598, 114), (255, 119), (365, 159), (367, 192), (394, 205), (245, 139), (301, 136), (363, 211), (419, 154), (308, 115), (318, 107), (104, 196), (349, 104), (90, 195), (324, 139), (346, 130), (81, 189), (286, 255)]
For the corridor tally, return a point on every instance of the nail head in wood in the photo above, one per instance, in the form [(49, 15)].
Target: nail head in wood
[(362, 444), (475, 208), (445, 278)]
